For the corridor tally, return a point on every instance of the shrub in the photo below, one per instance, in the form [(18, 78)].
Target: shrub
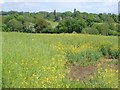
[(90, 31), (110, 51), (114, 53), (102, 28), (84, 58), (111, 32)]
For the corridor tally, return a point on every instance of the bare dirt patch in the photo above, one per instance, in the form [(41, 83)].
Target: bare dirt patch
[(85, 73), (81, 73)]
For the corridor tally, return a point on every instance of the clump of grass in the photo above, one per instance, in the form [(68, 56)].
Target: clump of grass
[(104, 78)]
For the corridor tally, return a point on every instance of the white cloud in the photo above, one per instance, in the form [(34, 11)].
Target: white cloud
[(1, 1), (61, 1), (107, 6)]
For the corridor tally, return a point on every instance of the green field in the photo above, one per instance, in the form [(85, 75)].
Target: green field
[(0, 60), (47, 60)]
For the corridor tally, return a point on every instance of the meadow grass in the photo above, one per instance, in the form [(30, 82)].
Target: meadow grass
[(0, 60), (0, 52), (32, 60)]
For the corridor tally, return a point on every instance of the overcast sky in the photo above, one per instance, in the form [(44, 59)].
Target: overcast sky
[(90, 6)]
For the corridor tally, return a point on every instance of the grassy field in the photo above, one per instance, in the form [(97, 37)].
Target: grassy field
[(57, 61), (0, 52), (0, 60)]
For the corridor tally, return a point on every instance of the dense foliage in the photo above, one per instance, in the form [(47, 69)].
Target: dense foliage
[(68, 22)]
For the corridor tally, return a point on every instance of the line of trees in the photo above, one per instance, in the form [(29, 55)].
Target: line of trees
[(68, 22)]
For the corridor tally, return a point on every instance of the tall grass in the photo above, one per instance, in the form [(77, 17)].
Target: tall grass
[(0, 52), (30, 60)]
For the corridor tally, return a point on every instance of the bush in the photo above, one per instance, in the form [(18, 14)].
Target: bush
[(113, 53), (113, 33), (5, 28), (110, 51), (102, 28), (84, 58), (90, 31), (112, 26)]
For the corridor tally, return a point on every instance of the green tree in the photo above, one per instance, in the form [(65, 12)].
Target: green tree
[(66, 14), (6, 19), (29, 27), (109, 20), (115, 17), (41, 25), (14, 25), (112, 26), (102, 28), (50, 16), (70, 25)]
